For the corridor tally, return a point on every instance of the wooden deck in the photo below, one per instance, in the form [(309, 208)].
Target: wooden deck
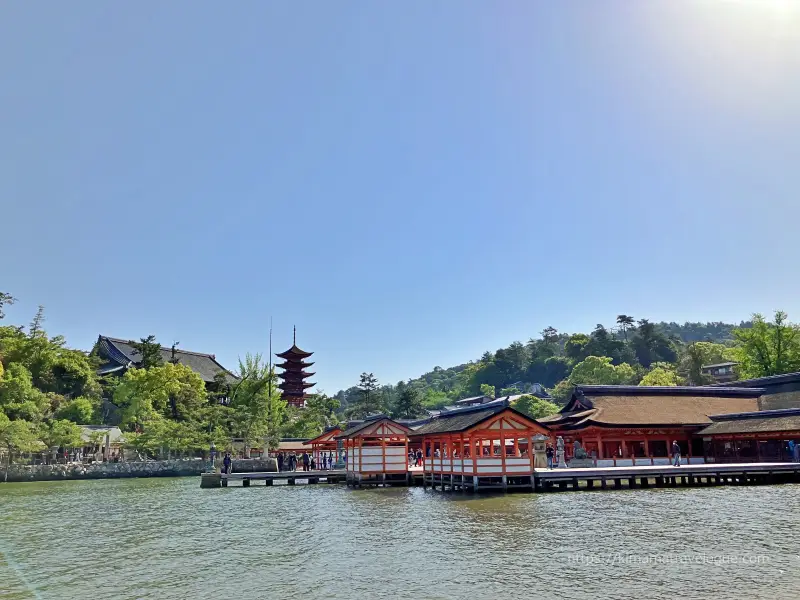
[(545, 480), (215, 480)]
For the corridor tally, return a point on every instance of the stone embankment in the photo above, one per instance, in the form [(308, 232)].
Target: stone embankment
[(111, 470)]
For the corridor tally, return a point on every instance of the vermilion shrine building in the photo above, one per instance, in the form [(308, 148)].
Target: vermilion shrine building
[(376, 451), (622, 425), (484, 446)]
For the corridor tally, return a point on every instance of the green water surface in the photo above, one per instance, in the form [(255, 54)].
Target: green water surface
[(168, 539)]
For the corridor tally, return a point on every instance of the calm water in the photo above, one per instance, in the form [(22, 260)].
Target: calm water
[(167, 539)]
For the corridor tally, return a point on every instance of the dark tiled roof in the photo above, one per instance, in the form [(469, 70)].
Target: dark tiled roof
[(755, 422), (723, 364), (464, 418), (761, 381), (727, 390), (120, 353)]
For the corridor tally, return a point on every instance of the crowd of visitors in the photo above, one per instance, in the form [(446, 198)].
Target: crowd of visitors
[(289, 461)]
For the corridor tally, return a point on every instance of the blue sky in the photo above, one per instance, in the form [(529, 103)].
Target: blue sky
[(411, 184)]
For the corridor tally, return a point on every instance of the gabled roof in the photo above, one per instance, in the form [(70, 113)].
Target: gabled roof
[(465, 418), (326, 436), (767, 421), (120, 354), (630, 406), (366, 424)]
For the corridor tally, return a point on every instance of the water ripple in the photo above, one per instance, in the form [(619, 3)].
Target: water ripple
[(167, 539)]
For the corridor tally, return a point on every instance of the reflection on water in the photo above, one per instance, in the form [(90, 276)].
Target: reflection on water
[(167, 539)]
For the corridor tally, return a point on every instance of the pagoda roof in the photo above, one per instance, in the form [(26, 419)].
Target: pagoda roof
[(295, 384), (294, 364), (291, 375), (294, 352)]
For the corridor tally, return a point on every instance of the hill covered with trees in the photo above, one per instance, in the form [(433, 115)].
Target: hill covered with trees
[(630, 351)]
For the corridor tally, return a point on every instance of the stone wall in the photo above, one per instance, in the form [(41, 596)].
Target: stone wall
[(159, 468)]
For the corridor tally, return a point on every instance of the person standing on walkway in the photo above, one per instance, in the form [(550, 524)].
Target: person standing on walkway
[(549, 453), (226, 463), (305, 461), (676, 454)]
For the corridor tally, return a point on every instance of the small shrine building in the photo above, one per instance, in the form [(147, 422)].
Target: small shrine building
[(483, 446), (376, 451)]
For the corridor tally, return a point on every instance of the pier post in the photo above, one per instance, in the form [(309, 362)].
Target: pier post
[(268, 482), (505, 478), (291, 481), (246, 482), (618, 483), (589, 484), (475, 483), (659, 482)]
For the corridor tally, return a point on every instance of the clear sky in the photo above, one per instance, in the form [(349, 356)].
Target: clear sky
[(410, 183)]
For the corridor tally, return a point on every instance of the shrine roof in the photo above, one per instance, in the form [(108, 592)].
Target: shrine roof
[(358, 427), (328, 435), (465, 418), (643, 405), (754, 422)]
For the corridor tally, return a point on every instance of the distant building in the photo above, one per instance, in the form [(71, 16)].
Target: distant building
[(721, 372), (119, 356)]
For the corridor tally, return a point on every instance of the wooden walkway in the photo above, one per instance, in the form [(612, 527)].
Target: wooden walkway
[(547, 480), (666, 476), (215, 480)]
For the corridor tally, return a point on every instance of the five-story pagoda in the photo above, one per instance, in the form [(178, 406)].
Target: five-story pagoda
[(293, 379)]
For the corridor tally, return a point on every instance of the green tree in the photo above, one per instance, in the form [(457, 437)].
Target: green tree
[(80, 410), (576, 347), (562, 391), (408, 403), (5, 300), (510, 391), (318, 414), (625, 322), (487, 390), (17, 437), (534, 407), (370, 400), (768, 348), (60, 433), (698, 354), (661, 374), (19, 399), (599, 370), (257, 405), (651, 345), (149, 352), (172, 391)]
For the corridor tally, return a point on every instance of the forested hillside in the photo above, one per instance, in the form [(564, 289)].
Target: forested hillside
[(631, 351)]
